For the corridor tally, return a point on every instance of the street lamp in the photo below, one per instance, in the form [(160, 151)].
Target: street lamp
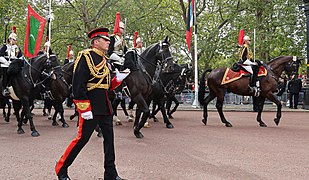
[(6, 23)]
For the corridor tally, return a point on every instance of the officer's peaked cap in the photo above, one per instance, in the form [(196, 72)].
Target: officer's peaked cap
[(99, 32)]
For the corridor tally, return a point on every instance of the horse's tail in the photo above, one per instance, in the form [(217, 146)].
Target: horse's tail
[(202, 87)]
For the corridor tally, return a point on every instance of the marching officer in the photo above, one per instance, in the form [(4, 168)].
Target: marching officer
[(245, 57), (117, 47), (91, 82), (9, 52)]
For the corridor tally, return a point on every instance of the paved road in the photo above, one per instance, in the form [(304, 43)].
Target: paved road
[(189, 151)]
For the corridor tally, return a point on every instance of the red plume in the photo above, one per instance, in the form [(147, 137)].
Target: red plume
[(241, 36), (135, 37), (69, 49), (117, 21), (14, 29)]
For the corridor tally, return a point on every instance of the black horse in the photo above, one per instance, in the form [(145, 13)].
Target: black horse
[(60, 89), (174, 83), (268, 85), (144, 79), (27, 86)]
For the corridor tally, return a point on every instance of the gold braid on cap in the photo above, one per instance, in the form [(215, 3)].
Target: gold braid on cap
[(99, 71)]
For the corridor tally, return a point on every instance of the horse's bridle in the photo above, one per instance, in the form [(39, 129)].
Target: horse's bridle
[(47, 75)]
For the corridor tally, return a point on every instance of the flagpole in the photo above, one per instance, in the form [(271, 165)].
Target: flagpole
[(49, 27), (195, 102), (254, 45)]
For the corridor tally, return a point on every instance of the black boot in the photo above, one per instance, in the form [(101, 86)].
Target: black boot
[(63, 177), (253, 79)]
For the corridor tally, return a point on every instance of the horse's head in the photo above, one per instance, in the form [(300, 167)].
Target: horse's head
[(292, 66), (187, 72), (289, 64), (165, 56), (131, 60), (46, 65), (159, 53)]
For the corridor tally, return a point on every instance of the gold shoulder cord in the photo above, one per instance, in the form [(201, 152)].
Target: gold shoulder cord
[(101, 72)]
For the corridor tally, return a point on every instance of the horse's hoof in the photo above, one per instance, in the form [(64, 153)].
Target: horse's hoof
[(55, 123), (170, 117), (100, 134), (65, 125), (263, 125), (35, 134), (277, 121), (204, 121), (20, 131), (155, 119), (170, 126), (72, 117), (228, 125), (7, 119), (49, 117), (138, 134), (146, 125)]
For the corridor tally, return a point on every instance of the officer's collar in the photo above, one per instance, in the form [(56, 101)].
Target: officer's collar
[(99, 52)]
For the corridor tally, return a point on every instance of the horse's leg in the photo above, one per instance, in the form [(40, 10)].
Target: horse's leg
[(17, 107), (26, 107), (163, 111), (260, 104), (61, 112), (114, 106), (123, 106), (175, 107), (219, 106), (209, 98), (7, 118), (168, 105), (55, 123), (274, 99), (155, 110), (141, 107)]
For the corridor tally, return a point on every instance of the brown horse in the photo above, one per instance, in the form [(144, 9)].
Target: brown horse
[(268, 85)]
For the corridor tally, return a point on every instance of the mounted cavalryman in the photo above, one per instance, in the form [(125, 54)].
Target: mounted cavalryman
[(117, 47), (245, 57), (8, 53)]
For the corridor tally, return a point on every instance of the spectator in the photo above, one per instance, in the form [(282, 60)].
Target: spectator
[(294, 87)]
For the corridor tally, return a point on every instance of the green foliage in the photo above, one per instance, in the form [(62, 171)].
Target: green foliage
[(280, 25)]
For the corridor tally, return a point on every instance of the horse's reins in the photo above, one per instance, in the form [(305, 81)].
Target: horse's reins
[(42, 73)]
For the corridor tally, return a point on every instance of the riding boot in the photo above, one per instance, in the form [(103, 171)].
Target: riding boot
[(253, 79)]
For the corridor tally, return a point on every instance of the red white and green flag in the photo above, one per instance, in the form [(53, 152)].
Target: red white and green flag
[(34, 33), (190, 19)]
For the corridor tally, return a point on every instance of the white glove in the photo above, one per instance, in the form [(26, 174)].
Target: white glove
[(87, 115), (121, 76)]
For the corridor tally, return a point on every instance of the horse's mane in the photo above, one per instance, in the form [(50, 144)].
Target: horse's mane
[(275, 59), (146, 51)]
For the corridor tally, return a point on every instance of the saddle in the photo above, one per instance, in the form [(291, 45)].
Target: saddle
[(231, 75)]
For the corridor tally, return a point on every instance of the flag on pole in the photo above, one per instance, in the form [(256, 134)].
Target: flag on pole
[(135, 37), (117, 21), (241, 36), (189, 22), (34, 33)]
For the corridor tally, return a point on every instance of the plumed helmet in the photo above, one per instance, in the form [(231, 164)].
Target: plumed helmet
[(121, 25), (47, 44), (139, 40), (246, 38), (13, 36)]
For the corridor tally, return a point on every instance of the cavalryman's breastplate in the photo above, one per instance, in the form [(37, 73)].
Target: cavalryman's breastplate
[(118, 47), (12, 51)]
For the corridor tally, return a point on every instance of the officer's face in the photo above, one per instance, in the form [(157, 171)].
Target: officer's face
[(102, 44)]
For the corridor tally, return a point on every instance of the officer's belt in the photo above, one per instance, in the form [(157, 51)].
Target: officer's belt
[(100, 86)]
